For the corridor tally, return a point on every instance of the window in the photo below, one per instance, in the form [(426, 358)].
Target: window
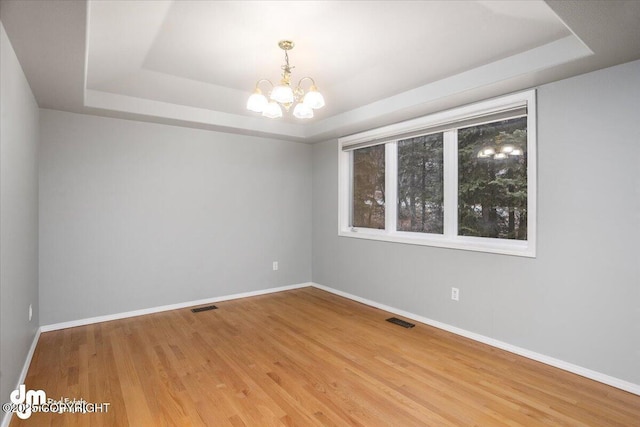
[(492, 192), (368, 187), (421, 184), (463, 179)]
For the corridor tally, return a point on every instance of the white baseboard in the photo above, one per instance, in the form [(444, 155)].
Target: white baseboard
[(124, 315), (579, 370), (6, 419)]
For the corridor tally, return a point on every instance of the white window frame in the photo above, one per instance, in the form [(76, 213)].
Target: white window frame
[(449, 238)]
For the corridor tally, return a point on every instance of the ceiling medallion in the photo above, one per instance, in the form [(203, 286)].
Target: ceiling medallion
[(283, 95)]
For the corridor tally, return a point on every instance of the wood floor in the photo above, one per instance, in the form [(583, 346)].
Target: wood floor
[(305, 358)]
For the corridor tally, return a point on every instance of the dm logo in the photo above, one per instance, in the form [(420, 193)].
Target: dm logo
[(26, 400)]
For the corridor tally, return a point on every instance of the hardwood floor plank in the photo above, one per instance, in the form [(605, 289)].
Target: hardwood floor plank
[(305, 358)]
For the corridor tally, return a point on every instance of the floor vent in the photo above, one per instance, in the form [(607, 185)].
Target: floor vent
[(400, 322), (207, 308)]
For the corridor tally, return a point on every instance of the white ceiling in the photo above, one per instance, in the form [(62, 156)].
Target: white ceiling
[(194, 63)]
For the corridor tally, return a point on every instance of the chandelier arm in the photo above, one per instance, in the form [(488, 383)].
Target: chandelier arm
[(313, 82), (264, 80)]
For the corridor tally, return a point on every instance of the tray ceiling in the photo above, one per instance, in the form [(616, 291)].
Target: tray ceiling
[(194, 63)]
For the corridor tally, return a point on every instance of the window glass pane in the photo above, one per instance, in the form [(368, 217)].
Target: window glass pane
[(420, 184), (492, 180), (368, 187)]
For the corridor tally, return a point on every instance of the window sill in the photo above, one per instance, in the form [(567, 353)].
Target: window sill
[(477, 244)]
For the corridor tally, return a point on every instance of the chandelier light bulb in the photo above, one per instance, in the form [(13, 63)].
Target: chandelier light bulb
[(257, 101), (273, 110), (302, 111), (507, 149), (488, 151), (500, 156), (516, 152), (282, 94), (313, 98)]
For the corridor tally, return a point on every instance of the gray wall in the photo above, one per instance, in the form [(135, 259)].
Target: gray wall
[(579, 300), (137, 215), (18, 217)]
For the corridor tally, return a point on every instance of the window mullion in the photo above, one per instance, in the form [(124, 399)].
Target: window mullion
[(345, 191), (450, 154), (391, 186)]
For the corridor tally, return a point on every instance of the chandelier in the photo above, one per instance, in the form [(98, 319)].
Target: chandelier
[(283, 95), (499, 152)]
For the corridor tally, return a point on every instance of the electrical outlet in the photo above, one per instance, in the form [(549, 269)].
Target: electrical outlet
[(30, 312), (455, 294), (275, 265)]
